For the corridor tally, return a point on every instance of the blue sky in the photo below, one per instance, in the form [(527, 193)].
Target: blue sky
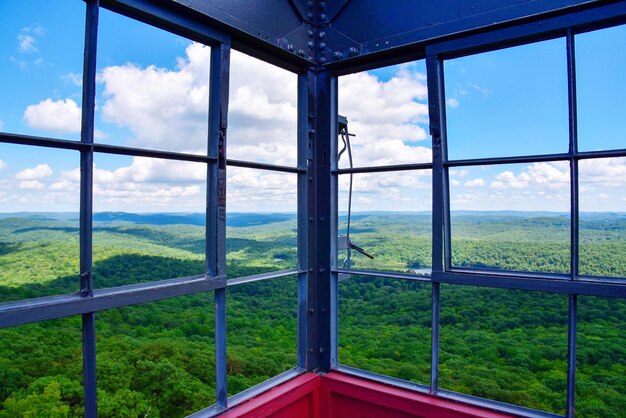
[(152, 92)]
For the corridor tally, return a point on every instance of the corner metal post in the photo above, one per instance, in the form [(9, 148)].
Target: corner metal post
[(86, 206), (574, 226), (216, 206), (322, 98), (435, 82), (305, 156)]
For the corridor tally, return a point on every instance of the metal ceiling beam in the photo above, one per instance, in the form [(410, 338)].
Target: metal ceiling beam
[(345, 35)]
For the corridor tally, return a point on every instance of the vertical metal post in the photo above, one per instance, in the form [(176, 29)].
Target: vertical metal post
[(322, 97), (304, 158), (216, 205), (574, 225), (86, 206), (334, 230), (435, 80)]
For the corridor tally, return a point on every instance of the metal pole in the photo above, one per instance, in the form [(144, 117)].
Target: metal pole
[(574, 226), (216, 205), (322, 97), (86, 206), (435, 79), (304, 157)]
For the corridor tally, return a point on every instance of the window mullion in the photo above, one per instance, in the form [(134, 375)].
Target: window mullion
[(575, 223), (216, 206), (86, 206)]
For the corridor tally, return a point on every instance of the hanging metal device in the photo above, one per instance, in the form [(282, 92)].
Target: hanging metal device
[(344, 242)]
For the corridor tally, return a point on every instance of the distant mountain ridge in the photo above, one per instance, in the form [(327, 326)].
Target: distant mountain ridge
[(242, 220)]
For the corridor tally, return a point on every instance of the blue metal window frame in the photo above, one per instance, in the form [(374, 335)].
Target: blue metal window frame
[(317, 172), (572, 283)]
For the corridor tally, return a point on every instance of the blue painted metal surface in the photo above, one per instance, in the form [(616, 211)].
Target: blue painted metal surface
[(216, 205)]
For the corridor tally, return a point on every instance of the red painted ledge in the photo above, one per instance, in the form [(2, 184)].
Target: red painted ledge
[(337, 395)]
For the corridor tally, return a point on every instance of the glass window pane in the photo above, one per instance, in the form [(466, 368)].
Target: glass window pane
[(501, 103), (384, 326), (600, 88), (387, 110), (39, 253), (149, 219), (601, 357), (262, 112), (41, 369), (511, 217), (391, 220), (157, 359), (261, 221), (41, 82), (603, 217), (504, 345), (261, 331), (153, 87)]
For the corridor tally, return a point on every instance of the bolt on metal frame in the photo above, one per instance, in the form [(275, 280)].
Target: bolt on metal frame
[(317, 206)]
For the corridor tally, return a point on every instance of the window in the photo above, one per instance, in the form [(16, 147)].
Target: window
[(210, 224)]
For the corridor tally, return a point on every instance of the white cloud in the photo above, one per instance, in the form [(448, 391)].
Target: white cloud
[(31, 185), (3, 165), (388, 117), (604, 172), (452, 103), (553, 175), (458, 172), (26, 44), (73, 78), (475, 183), (61, 116), (41, 171), (163, 108)]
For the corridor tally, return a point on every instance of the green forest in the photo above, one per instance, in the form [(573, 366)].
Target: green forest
[(157, 359)]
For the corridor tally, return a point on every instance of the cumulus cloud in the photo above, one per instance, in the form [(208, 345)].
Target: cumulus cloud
[(163, 108), (61, 116), (144, 185), (605, 172), (41, 171), (388, 117), (475, 183), (31, 185), (553, 175)]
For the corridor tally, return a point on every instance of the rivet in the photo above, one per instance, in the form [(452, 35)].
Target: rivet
[(322, 60), (323, 5), (322, 269), (322, 16), (338, 55), (290, 47), (309, 15), (301, 52), (311, 33), (311, 44), (322, 45), (322, 34), (353, 51)]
